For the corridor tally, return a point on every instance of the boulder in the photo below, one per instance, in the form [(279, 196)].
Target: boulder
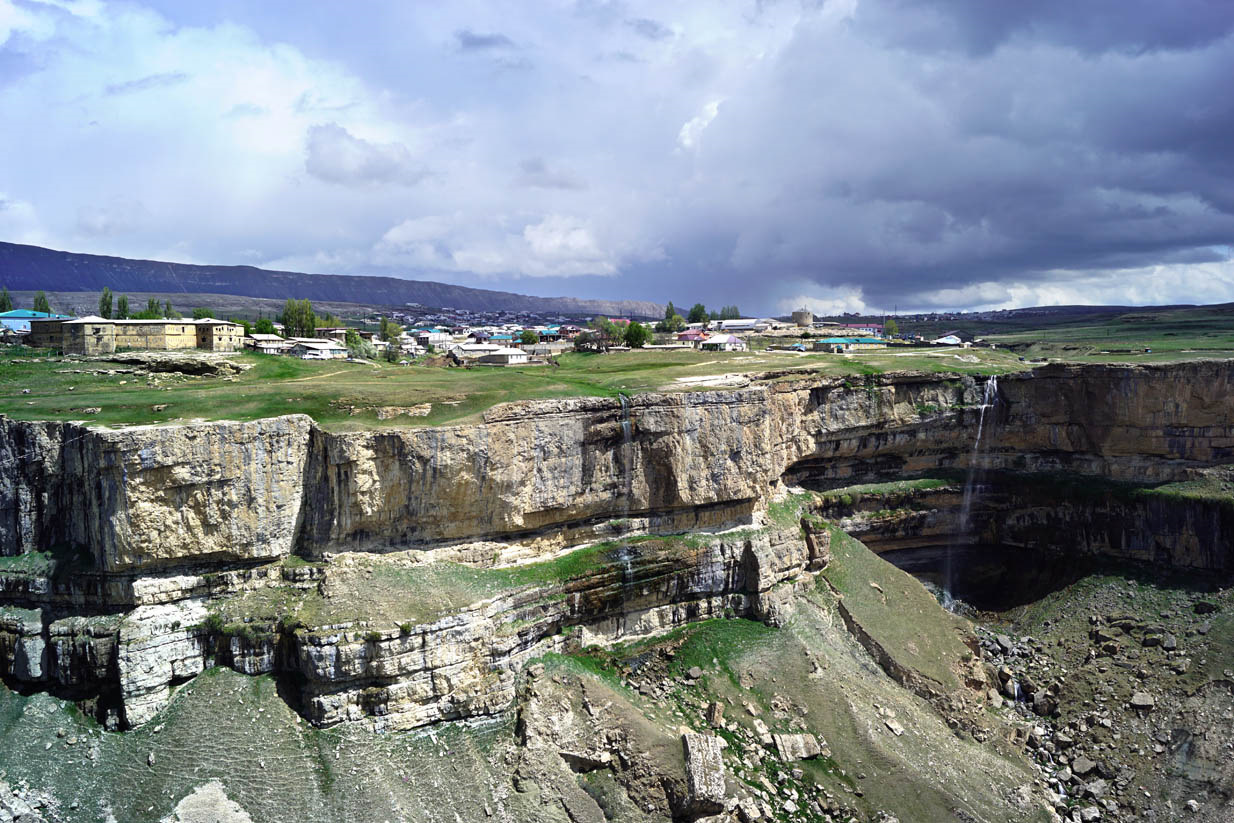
[(797, 746), (704, 774), (1082, 765)]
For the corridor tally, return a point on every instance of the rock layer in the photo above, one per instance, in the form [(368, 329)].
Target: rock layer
[(161, 497)]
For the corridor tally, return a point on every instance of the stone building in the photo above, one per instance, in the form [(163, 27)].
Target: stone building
[(98, 335)]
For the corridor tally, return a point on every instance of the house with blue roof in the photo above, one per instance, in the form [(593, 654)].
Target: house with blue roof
[(840, 345), (17, 321)]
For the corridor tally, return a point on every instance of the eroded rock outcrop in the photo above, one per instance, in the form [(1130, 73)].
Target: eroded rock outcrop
[(148, 526), (159, 497)]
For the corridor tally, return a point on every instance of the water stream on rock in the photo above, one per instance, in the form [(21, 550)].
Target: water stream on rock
[(627, 458), (963, 525)]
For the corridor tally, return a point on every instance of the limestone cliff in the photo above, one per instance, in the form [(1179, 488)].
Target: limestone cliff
[(161, 497), (118, 545)]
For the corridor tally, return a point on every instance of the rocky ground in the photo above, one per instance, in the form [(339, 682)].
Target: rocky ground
[(727, 719), (1128, 682)]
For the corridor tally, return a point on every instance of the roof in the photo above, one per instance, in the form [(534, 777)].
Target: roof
[(323, 344), (129, 321), (271, 338), (723, 338), (30, 314), (853, 340)]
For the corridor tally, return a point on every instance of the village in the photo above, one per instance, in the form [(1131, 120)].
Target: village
[(413, 333)]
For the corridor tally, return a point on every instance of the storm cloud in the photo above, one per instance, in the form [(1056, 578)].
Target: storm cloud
[(849, 154)]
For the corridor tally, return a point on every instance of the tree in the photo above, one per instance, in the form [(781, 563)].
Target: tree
[(698, 314), (892, 328), (6, 301), (357, 346), (606, 329), (40, 303), (389, 330), (590, 341), (669, 311), (264, 325), (122, 307), (730, 313), (637, 335), (298, 318), (105, 303), (675, 323), (713, 315), (201, 313), (529, 337), (169, 312), (152, 311)]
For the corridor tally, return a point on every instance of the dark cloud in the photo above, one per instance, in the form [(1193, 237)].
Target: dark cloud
[(1090, 26), (919, 152), (652, 30), (469, 40), (535, 173), (152, 81)]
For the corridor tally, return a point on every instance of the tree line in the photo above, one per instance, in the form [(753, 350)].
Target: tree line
[(674, 322)]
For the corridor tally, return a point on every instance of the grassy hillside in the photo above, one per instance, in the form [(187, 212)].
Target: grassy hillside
[(347, 395)]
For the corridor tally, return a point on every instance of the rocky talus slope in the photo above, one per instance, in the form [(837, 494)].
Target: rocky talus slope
[(407, 579)]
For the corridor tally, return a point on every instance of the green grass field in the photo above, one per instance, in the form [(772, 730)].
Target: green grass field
[(1170, 334), (343, 395)]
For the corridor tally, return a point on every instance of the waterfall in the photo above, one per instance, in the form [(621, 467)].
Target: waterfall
[(989, 398), (627, 455), (627, 461)]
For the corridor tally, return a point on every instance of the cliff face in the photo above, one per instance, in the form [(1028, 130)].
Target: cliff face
[(147, 498), (140, 532), (460, 665)]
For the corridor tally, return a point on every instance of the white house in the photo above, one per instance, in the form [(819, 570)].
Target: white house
[(472, 350), (317, 349), (505, 357), (724, 342), (267, 343), (743, 324)]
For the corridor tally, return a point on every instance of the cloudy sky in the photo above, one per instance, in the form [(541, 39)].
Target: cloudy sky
[(846, 155)]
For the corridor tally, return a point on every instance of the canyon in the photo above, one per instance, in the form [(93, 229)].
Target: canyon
[(407, 579)]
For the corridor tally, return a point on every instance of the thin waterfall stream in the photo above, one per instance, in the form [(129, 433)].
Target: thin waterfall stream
[(964, 525), (627, 459)]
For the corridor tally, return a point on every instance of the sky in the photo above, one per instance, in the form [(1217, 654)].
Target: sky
[(848, 155)]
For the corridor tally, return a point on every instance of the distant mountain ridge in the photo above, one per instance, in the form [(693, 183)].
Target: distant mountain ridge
[(27, 268)]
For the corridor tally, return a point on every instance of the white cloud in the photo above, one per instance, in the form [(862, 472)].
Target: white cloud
[(690, 134), (853, 167), (19, 222), (337, 156), (555, 245), (825, 301)]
